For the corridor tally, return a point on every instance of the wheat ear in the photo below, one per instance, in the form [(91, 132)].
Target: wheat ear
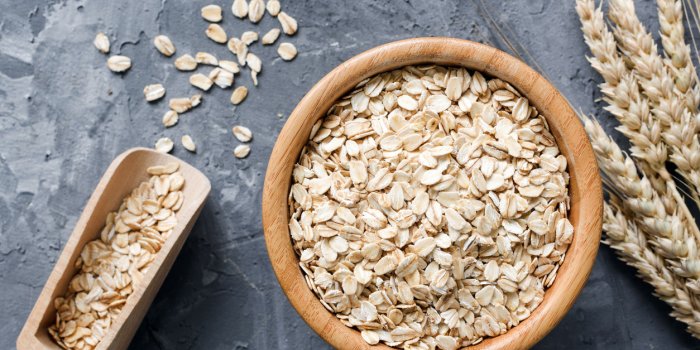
[(630, 244), (668, 233), (677, 123), (621, 91), (677, 52)]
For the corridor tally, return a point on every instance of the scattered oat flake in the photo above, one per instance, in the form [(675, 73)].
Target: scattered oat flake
[(230, 66), (271, 36), (273, 7), (180, 105), (188, 143), (254, 77), (221, 77), (201, 81), (239, 94), (289, 24), (253, 62), (185, 63), (241, 151), (239, 8), (206, 58), (164, 145), (153, 92), (249, 37), (170, 118), (242, 133), (118, 63), (216, 33), (101, 42), (164, 45), (287, 51), (256, 10), (212, 13)]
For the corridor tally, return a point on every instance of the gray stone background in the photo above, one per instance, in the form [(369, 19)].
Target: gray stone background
[(64, 117)]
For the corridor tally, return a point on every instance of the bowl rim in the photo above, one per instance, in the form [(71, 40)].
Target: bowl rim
[(585, 184)]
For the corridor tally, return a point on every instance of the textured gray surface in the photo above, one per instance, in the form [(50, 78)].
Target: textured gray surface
[(64, 117)]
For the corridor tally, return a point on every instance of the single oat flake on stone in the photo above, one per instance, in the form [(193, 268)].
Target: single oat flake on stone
[(170, 118), (242, 133), (206, 58), (271, 36), (249, 37), (153, 92), (240, 8), (289, 24), (241, 151), (287, 51), (216, 33), (273, 7), (164, 45), (239, 94), (201, 81), (230, 66), (185, 63), (212, 13), (101, 42), (188, 143), (164, 145), (119, 64), (256, 10)]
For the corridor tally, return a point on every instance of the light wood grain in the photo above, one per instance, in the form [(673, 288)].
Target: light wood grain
[(124, 174), (585, 186)]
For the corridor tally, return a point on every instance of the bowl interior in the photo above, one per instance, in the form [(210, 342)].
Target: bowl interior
[(584, 188)]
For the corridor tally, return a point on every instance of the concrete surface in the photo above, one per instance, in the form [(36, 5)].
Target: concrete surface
[(64, 116)]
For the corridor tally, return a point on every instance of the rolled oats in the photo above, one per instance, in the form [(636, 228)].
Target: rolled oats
[(112, 266), (153, 92), (273, 7), (216, 33), (186, 63), (239, 94), (101, 42), (164, 45), (240, 8), (429, 208), (271, 36), (119, 64), (242, 133), (287, 51), (212, 13), (241, 151), (288, 23)]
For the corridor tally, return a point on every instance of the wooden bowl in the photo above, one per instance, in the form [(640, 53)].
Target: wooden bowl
[(585, 185), (125, 173)]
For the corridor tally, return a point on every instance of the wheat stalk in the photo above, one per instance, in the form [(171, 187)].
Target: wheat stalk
[(631, 246)]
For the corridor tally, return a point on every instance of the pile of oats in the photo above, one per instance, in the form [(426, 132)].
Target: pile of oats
[(110, 267), (429, 208)]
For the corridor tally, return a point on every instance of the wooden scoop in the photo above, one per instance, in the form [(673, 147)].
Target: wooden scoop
[(125, 173)]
